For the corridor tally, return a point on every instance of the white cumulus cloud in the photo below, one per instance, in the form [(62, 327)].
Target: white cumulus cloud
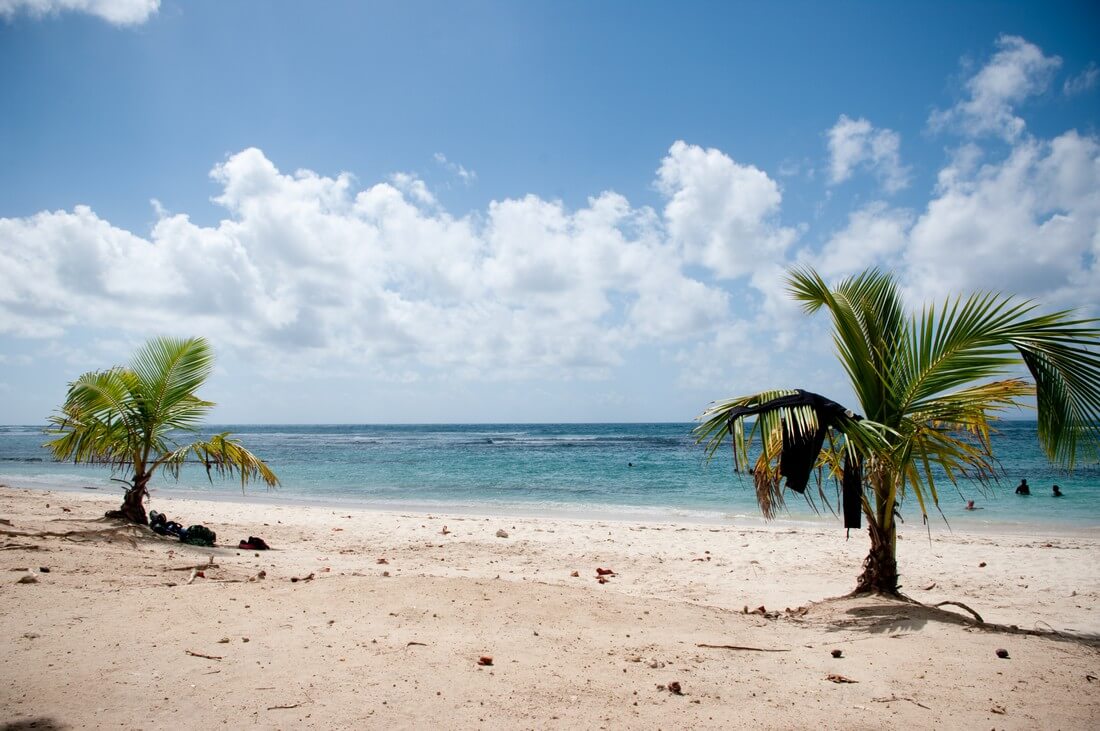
[(876, 235), (1029, 224), (117, 12), (724, 214), (1018, 70), (855, 143), (317, 271)]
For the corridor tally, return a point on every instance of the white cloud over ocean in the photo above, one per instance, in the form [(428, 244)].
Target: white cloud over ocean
[(322, 272), (377, 276)]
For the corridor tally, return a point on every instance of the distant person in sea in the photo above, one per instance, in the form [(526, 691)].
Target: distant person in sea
[(1022, 488), (971, 506), (1057, 491)]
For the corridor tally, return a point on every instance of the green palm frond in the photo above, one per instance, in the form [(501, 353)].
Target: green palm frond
[(98, 422), (868, 321), (223, 456), (170, 370)]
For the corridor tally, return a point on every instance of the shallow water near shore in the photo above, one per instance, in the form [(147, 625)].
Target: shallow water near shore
[(636, 471)]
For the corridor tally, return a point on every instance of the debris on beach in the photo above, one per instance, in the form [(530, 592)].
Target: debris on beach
[(674, 688), (502, 533), (838, 678), (295, 579), (445, 531), (28, 579), (485, 660), (838, 653), (1002, 653), (575, 574), (381, 561), (604, 572)]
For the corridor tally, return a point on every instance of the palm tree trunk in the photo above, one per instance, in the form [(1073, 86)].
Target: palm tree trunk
[(880, 568), (133, 503)]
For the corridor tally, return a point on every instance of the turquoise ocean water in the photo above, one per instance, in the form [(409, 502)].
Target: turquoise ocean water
[(630, 470)]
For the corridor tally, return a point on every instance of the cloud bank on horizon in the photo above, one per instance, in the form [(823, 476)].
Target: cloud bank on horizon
[(382, 279)]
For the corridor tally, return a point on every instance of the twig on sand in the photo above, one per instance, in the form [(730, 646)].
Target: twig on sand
[(123, 531), (1052, 630), (422, 644), (200, 566), (739, 647), (962, 606), (292, 705), (199, 654), (893, 698)]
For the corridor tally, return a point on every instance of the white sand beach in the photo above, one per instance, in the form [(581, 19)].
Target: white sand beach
[(390, 615)]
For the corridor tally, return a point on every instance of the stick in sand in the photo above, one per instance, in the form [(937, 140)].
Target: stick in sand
[(739, 647)]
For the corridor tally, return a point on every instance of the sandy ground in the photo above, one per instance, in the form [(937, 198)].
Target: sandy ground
[(114, 636)]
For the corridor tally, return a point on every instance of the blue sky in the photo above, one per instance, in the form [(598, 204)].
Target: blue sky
[(440, 212)]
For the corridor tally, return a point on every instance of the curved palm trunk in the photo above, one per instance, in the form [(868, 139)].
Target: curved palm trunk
[(880, 568), (133, 504)]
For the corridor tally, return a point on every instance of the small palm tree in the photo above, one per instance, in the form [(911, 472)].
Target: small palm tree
[(128, 418), (929, 386)]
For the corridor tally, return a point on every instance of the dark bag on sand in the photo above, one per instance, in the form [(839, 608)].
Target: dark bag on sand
[(158, 522), (254, 544), (198, 535)]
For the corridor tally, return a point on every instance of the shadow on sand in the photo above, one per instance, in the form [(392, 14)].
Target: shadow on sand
[(38, 724), (887, 615)]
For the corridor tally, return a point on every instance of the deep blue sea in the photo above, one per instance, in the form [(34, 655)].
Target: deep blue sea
[(630, 470)]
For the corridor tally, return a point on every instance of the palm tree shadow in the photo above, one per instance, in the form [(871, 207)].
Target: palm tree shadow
[(878, 614), (38, 724), (881, 617)]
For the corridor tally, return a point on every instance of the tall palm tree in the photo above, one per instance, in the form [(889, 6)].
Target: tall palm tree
[(929, 385), (129, 418)]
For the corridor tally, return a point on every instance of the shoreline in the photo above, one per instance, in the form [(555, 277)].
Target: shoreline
[(937, 527), (797, 546), (366, 618)]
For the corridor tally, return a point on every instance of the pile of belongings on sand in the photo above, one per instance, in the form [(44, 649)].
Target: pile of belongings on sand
[(196, 535)]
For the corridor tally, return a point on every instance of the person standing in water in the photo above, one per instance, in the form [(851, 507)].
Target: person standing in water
[(1022, 488), (1057, 491)]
